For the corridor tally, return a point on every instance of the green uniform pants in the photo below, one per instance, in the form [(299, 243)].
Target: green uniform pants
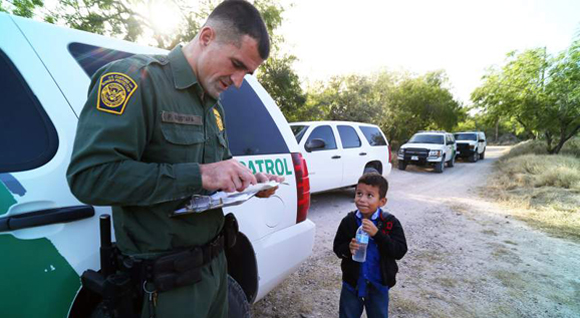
[(205, 299)]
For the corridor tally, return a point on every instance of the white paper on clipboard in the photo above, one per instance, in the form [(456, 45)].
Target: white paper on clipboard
[(200, 203)]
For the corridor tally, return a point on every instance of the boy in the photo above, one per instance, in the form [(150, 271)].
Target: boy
[(367, 284)]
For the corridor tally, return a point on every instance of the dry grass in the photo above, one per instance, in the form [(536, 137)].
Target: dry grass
[(543, 189)]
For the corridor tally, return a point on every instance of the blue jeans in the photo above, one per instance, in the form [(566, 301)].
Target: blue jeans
[(376, 303)]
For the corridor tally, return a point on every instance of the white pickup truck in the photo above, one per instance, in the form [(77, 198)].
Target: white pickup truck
[(339, 152)]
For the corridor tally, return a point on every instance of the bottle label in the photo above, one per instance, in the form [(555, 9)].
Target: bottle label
[(362, 238)]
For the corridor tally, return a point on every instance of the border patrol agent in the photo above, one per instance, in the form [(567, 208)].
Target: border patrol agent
[(151, 134)]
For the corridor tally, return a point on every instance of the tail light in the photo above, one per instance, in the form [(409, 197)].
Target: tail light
[(302, 186), (390, 154)]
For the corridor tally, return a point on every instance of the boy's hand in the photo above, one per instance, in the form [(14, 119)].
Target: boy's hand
[(369, 227), (353, 246)]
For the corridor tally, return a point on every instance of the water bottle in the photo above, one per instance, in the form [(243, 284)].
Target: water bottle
[(362, 239)]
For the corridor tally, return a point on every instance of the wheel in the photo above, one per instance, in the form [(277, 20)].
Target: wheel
[(238, 306), (451, 162), (474, 156), (440, 166), (402, 165), (482, 156), (371, 170)]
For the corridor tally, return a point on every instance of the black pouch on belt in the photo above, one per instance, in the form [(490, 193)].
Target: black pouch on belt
[(230, 230), (178, 269)]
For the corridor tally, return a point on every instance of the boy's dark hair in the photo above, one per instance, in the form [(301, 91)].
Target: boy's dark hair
[(239, 17), (376, 180)]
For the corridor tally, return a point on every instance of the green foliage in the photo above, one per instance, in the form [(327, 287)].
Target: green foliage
[(399, 103), (538, 91), (23, 8), (421, 103)]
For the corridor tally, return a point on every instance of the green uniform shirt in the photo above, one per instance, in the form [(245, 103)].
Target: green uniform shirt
[(141, 136)]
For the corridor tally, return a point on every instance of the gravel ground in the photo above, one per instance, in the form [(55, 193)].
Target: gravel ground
[(467, 257)]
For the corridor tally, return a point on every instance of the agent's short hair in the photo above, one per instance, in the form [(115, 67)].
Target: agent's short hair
[(234, 18), (376, 180)]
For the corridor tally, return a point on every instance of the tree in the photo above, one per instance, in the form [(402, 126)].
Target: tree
[(131, 20), (420, 103), (23, 8), (538, 91)]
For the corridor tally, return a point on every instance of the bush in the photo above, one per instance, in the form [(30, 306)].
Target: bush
[(538, 147)]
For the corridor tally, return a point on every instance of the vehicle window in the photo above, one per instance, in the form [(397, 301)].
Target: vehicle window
[(91, 58), (28, 139), (298, 131), (250, 128), (373, 136), (465, 136), (426, 139), (349, 137), (325, 133)]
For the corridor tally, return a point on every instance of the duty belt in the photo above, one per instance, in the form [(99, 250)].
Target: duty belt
[(176, 269)]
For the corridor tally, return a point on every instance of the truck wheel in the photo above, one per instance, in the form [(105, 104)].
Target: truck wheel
[(451, 163), (238, 306), (440, 166), (402, 165), (370, 170), (482, 155), (474, 156)]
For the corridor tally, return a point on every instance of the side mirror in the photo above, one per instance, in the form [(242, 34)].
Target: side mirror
[(314, 144)]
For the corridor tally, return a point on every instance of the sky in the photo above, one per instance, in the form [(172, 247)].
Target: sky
[(462, 37)]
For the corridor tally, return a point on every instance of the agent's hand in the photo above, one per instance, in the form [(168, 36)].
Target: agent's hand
[(265, 177), (228, 176), (353, 246), (369, 227)]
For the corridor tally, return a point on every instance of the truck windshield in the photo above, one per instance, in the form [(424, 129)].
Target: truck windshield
[(427, 139), (298, 131), (465, 137)]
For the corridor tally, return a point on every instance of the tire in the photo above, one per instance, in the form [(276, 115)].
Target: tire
[(238, 306), (451, 163), (474, 157), (440, 166), (370, 170), (482, 156), (402, 165)]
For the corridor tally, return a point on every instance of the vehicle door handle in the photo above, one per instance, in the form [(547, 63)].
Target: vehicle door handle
[(46, 217), (362, 154), (335, 157)]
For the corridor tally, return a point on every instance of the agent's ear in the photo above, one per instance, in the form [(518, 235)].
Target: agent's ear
[(206, 35), (383, 201)]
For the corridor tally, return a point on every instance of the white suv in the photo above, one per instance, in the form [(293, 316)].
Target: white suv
[(339, 152), (471, 145), (428, 148), (48, 238)]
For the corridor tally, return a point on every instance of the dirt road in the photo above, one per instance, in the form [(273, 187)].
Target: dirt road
[(467, 257)]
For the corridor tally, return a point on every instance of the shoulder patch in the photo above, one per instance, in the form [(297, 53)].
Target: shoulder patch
[(218, 119), (115, 90)]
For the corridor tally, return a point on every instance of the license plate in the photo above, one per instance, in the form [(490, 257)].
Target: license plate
[(414, 158)]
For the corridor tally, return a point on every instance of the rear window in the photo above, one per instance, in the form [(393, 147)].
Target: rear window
[(28, 139), (251, 130), (349, 137), (373, 135), (92, 58), (298, 131)]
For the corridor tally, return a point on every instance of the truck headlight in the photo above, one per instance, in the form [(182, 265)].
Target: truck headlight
[(401, 152), (435, 153)]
